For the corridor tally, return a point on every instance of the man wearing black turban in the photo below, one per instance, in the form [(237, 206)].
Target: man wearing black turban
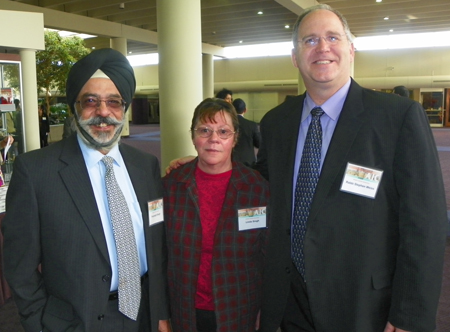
[(58, 216)]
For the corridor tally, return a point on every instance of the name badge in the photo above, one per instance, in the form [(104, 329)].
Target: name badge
[(155, 212), (361, 180), (252, 218)]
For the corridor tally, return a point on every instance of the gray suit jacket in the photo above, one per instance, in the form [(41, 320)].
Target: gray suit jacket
[(368, 261), (52, 219)]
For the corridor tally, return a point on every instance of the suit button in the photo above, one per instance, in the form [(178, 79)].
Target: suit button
[(100, 317), (288, 270), (106, 278)]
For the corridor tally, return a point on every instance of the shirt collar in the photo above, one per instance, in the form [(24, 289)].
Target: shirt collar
[(332, 107), (92, 157)]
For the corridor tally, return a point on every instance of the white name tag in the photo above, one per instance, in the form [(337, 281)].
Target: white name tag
[(155, 212), (252, 218), (361, 180)]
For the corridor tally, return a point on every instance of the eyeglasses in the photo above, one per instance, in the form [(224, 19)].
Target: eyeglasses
[(113, 104), (206, 132), (312, 41)]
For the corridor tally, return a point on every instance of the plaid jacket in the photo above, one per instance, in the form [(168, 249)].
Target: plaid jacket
[(238, 255)]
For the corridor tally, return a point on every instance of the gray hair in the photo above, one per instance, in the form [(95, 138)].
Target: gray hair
[(313, 9)]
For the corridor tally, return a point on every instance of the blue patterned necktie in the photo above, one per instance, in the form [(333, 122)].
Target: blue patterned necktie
[(307, 178), (129, 291)]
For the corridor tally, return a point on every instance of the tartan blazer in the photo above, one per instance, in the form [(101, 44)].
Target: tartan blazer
[(237, 258)]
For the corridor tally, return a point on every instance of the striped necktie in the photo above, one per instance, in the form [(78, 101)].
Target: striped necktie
[(307, 178)]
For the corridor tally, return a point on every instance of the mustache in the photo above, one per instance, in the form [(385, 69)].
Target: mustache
[(98, 120)]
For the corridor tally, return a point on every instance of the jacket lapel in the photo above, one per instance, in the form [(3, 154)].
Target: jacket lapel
[(347, 129), (137, 174), (78, 184), (290, 133)]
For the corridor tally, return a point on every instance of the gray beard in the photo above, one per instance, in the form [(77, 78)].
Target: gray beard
[(100, 142)]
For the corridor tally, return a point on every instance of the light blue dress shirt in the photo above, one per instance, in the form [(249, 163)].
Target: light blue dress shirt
[(96, 170), (332, 108)]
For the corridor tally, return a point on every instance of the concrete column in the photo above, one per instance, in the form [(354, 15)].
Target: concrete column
[(180, 74), (30, 113), (208, 75), (120, 44)]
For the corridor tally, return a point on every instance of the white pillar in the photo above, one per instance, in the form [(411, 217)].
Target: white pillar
[(120, 44), (30, 113), (180, 74), (208, 75)]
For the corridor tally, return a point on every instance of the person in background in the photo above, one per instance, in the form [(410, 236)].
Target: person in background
[(360, 219), (11, 130), (226, 95), (69, 207), (401, 91), (44, 125), (18, 125), (69, 126), (216, 248), (249, 136)]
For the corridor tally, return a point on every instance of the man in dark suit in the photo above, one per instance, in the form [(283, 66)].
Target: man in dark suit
[(249, 136), (401, 90), (60, 237), (372, 255)]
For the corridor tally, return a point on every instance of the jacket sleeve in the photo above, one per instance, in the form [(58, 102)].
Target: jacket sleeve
[(256, 136), (261, 160), (21, 228), (422, 225)]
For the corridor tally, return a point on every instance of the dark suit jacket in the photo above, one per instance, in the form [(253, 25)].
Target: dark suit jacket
[(237, 256), (368, 261), (52, 219), (249, 139)]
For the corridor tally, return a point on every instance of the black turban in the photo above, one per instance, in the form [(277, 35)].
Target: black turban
[(113, 63)]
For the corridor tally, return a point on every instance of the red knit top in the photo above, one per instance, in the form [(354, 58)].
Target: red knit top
[(211, 193)]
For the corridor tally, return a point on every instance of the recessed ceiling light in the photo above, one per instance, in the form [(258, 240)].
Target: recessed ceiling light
[(240, 42), (391, 30), (130, 52), (386, 18), (260, 12), (379, 0), (287, 26)]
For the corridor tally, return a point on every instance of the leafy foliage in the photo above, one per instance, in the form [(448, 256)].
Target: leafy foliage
[(53, 64), (12, 75)]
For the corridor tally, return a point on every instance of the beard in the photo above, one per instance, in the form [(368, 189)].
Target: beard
[(100, 140)]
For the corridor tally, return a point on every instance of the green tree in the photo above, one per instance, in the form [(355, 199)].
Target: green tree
[(12, 75), (53, 64)]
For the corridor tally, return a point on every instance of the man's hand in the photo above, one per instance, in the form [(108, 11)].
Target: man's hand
[(174, 164), (164, 326), (391, 328)]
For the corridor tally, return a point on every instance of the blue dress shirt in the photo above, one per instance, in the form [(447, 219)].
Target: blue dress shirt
[(332, 108), (96, 170)]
